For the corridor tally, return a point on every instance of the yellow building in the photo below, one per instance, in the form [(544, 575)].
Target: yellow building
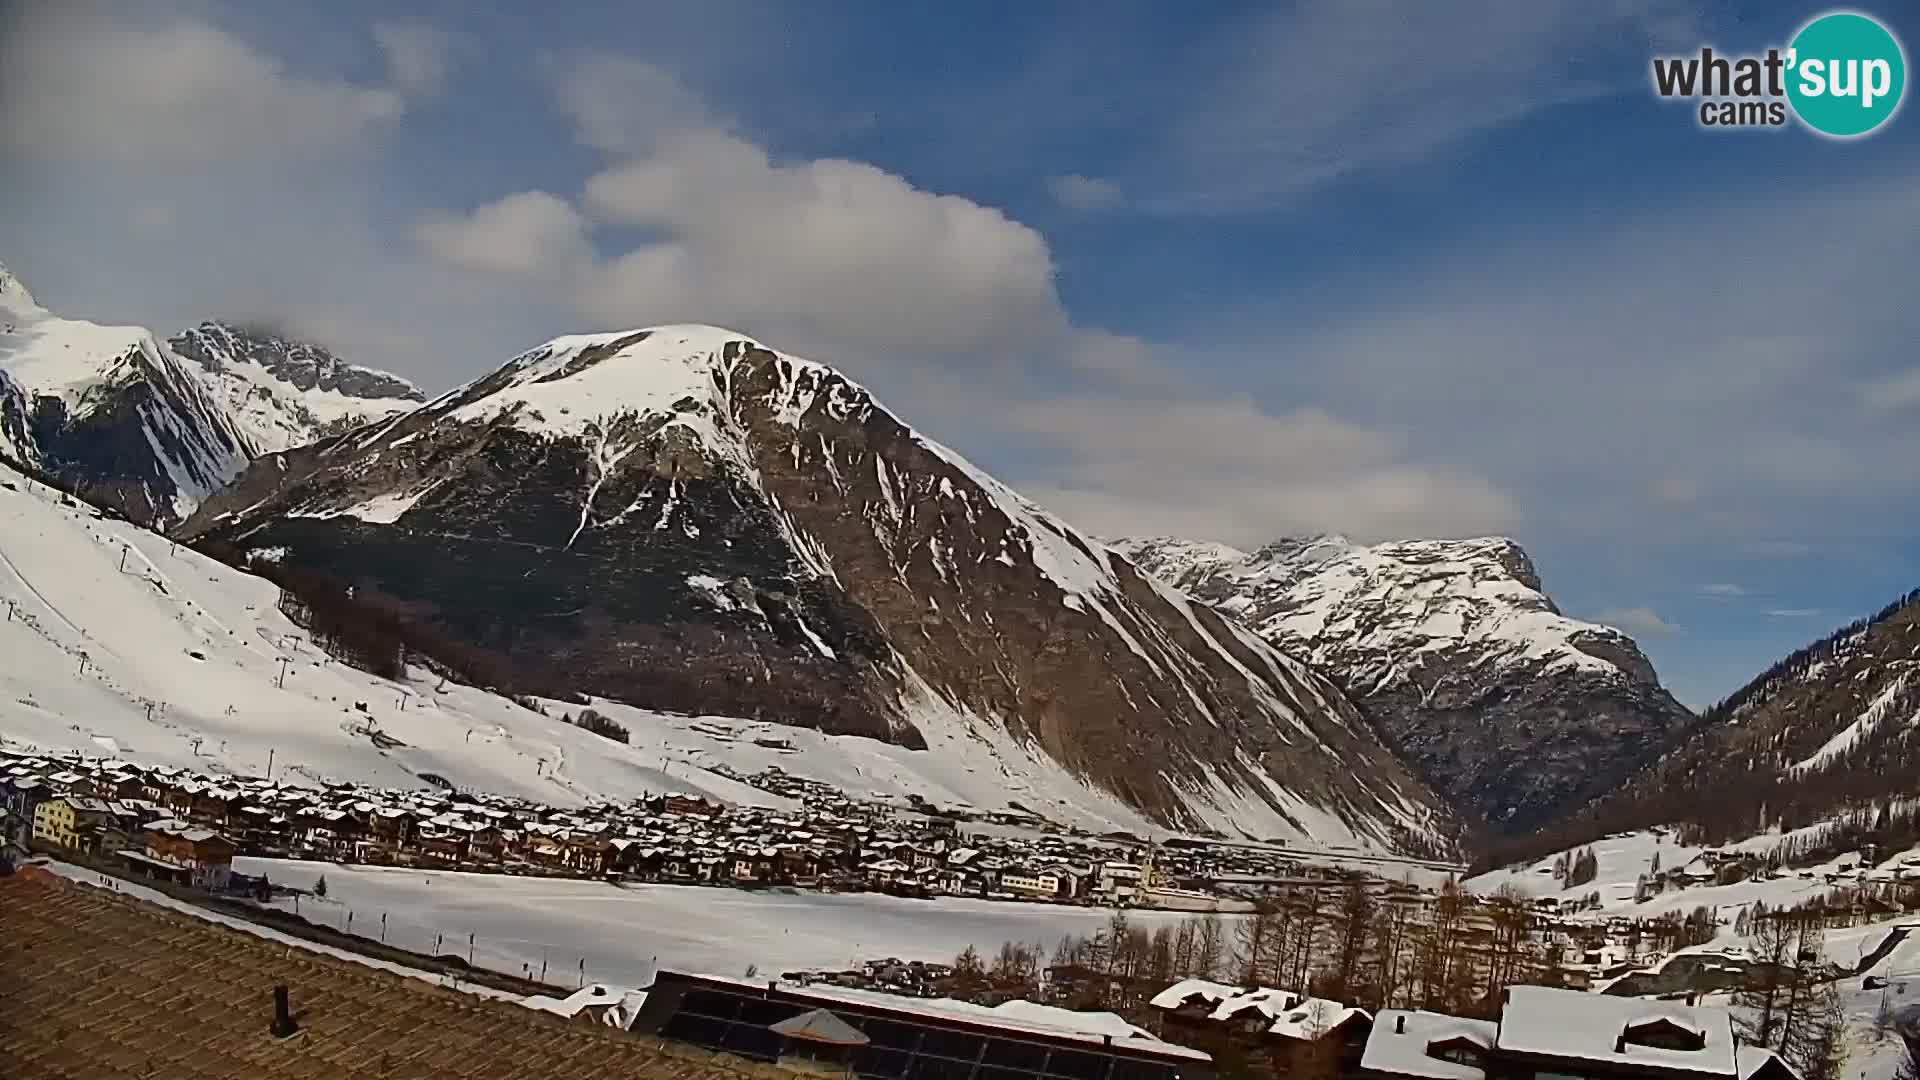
[(54, 822)]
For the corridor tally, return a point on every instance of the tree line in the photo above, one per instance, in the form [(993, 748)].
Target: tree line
[(1722, 781), (1348, 944)]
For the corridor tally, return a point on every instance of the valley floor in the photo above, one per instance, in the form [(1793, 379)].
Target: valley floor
[(623, 933)]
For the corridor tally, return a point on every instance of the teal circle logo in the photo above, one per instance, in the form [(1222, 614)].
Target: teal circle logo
[(1846, 74)]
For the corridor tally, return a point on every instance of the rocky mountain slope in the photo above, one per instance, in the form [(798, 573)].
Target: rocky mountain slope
[(683, 518), (1455, 653), (112, 413), (1834, 726), (284, 393), (1819, 755)]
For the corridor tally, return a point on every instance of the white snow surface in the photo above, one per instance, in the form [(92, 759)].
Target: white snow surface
[(85, 364), (626, 933), (1400, 1053), (1572, 1024), (276, 415), (1330, 596), (146, 697), (618, 391)]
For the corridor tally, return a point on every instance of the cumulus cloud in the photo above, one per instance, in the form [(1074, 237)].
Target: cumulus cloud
[(184, 91), (1229, 470), (624, 105), (1076, 192), (1642, 621), (528, 233), (825, 255), (823, 252)]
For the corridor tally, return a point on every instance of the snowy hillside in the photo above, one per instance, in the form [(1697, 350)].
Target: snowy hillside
[(1456, 652), (113, 412), (284, 393), (683, 518), (182, 667)]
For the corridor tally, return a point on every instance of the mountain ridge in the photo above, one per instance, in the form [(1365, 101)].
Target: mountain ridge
[(687, 500), (284, 392), (1455, 653)]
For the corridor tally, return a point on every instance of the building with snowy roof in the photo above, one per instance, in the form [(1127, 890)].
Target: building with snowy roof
[(913, 1037), (1551, 1034)]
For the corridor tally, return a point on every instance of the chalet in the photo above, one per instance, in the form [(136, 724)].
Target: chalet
[(1419, 1045), (185, 853), (19, 796), (1278, 1032)]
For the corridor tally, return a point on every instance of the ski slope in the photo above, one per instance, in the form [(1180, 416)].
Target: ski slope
[(118, 643)]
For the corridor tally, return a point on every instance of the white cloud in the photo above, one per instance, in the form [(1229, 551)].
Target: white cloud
[(1226, 469), (1077, 192), (1794, 613), (822, 255), (1637, 620), (1723, 591), (182, 92), (624, 105), (528, 233), (419, 57)]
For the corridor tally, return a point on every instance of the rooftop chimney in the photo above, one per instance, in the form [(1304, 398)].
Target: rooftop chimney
[(1400, 1024), (283, 1024)]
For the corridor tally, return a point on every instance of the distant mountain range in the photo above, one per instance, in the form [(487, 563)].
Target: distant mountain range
[(682, 518), (153, 427), (1452, 649)]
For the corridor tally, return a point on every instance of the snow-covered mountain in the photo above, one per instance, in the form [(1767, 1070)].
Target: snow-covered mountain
[(1455, 652), (183, 667), (285, 393), (680, 517), (112, 412)]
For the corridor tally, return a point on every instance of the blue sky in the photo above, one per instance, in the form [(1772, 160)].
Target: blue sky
[(1234, 272)]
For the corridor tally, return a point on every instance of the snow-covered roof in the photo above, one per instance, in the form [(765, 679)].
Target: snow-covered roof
[(1752, 1059), (623, 1003), (1399, 1040), (1174, 995), (1571, 1024), (1092, 1027)]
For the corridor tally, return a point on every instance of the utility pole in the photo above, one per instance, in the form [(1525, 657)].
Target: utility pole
[(270, 762)]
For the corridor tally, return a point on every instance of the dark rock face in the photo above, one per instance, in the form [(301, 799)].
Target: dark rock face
[(16, 423), (145, 440), (1832, 727), (214, 345), (763, 539), (1510, 709)]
